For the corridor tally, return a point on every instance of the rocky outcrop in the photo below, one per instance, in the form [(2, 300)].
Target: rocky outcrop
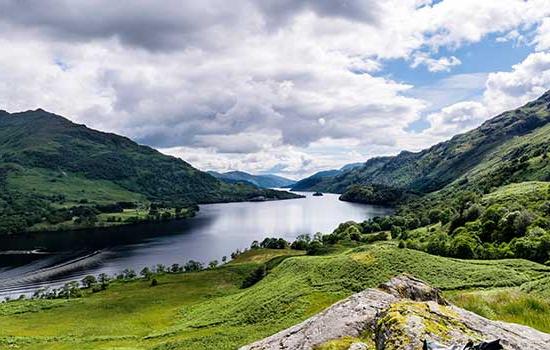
[(400, 314)]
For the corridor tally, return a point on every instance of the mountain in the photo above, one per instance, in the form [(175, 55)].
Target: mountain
[(263, 181), (48, 163), (309, 183), (508, 148)]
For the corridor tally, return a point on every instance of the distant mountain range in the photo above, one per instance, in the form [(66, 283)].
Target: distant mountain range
[(310, 183), (262, 181), (507, 148)]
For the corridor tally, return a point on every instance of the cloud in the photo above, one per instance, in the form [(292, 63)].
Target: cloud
[(526, 81), (442, 64), (457, 118), (168, 26), (450, 90), (542, 36), (288, 85), (514, 36)]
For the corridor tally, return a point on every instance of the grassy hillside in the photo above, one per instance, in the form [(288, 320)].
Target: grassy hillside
[(510, 147), (209, 309), (48, 163)]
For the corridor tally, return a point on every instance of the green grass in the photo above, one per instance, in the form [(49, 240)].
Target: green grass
[(508, 304), (209, 310), (540, 287), (72, 186), (260, 256)]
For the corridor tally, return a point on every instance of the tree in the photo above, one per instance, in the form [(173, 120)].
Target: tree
[(274, 243), (192, 266), (224, 259), (88, 281), (438, 244), (160, 268), (434, 215), (235, 254), (103, 279), (146, 273), (396, 231), (445, 216), (301, 242), (534, 246), (314, 248), (70, 290), (318, 236), (175, 268), (473, 212), (513, 224), (463, 246), (129, 274), (213, 264)]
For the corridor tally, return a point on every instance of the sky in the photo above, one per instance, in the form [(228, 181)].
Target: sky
[(288, 87)]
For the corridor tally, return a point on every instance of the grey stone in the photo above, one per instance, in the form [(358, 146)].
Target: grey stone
[(358, 346)]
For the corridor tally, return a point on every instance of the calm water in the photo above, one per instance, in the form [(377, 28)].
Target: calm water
[(217, 230)]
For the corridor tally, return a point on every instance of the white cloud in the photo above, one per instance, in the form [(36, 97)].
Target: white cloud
[(503, 91), (512, 35), (542, 36), (288, 85), (442, 64), (457, 118)]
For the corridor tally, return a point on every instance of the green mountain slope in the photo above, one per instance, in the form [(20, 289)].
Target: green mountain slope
[(511, 147), (263, 181), (47, 162), (308, 183)]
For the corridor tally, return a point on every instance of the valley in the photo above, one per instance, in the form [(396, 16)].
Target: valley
[(469, 216)]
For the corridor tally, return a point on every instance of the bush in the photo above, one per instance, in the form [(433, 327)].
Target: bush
[(315, 248), (274, 243), (375, 237), (438, 244), (463, 246), (193, 266)]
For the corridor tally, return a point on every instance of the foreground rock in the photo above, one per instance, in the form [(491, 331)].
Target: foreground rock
[(400, 314)]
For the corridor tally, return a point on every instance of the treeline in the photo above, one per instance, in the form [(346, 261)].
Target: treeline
[(320, 243), (374, 194), (94, 284), (20, 211)]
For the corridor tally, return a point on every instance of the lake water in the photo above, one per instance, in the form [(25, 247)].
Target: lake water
[(217, 230)]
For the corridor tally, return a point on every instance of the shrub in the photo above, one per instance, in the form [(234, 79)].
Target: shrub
[(463, 246)]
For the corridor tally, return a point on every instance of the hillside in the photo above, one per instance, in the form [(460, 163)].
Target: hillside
[(510, 147), (262, 181), (211, 310), (48, 163), (309, 183)]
